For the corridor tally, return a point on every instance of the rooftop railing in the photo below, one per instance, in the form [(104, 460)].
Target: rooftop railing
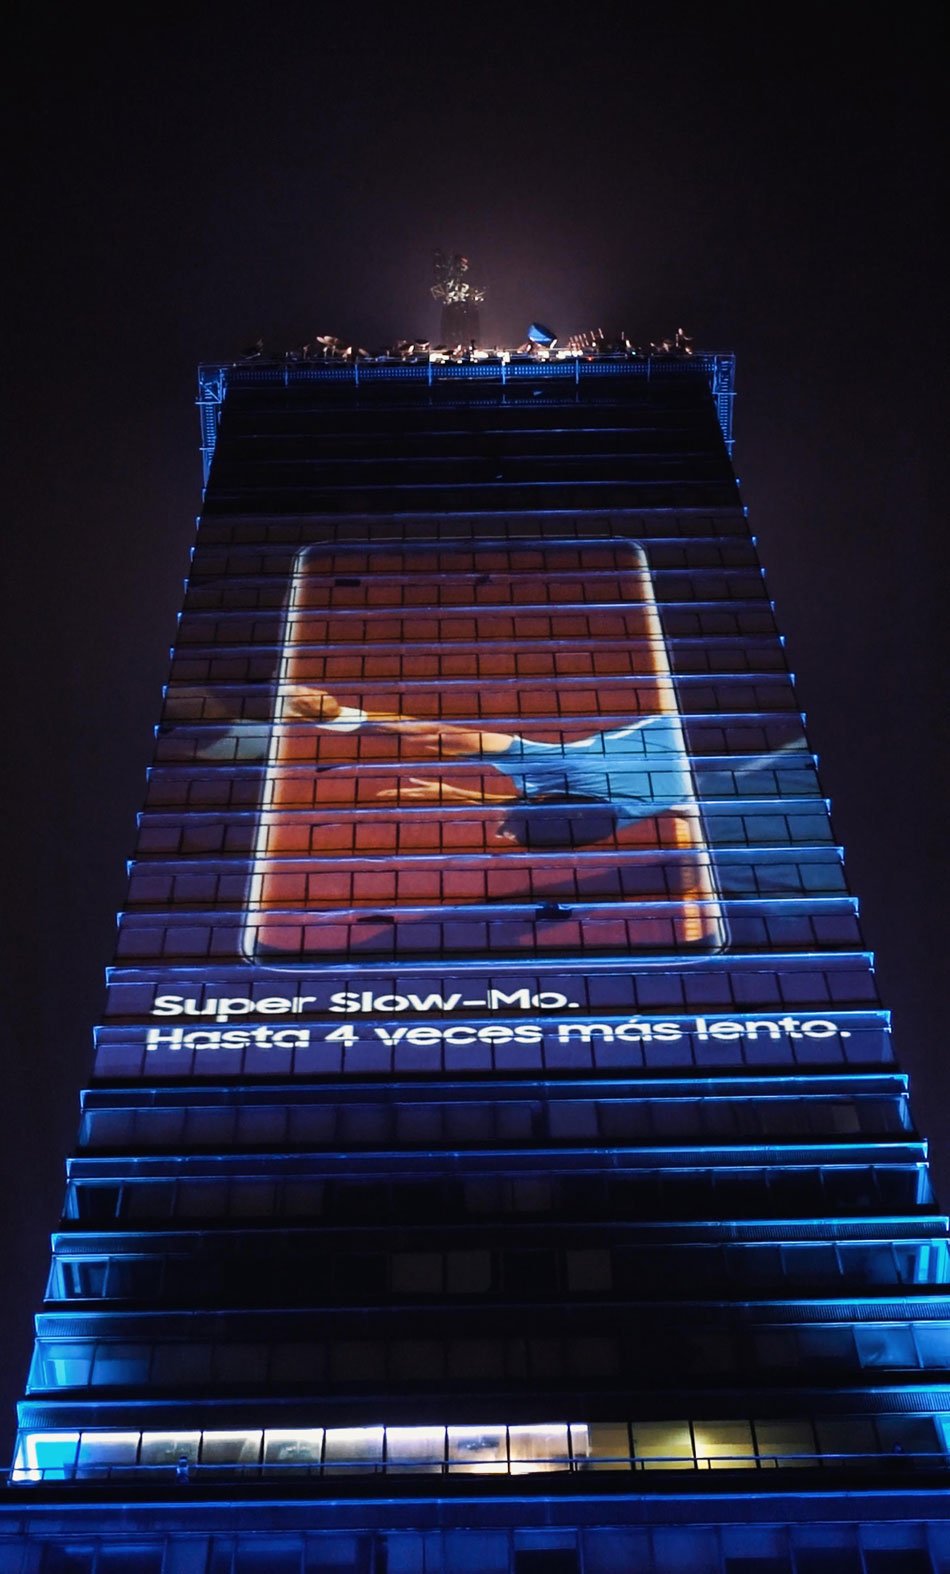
[(498, 367)]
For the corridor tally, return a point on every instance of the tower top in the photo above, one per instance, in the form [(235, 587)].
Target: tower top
[(451, 286), (459, 326), (423, 365)]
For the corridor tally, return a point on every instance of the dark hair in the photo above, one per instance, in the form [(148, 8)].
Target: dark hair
[(562, 822)]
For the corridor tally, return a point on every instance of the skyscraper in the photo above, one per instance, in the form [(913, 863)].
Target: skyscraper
[(495, 1157)]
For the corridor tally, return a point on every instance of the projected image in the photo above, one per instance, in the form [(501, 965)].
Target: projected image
[(477, 749)]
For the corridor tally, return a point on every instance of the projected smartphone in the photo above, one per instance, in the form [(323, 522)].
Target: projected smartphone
[(477, 751)]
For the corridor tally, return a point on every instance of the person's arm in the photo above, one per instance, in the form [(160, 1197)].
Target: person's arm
[(446, 738), (438, 791), (302, 703)]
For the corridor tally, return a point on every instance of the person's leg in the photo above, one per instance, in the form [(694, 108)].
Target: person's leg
[(647, 765)]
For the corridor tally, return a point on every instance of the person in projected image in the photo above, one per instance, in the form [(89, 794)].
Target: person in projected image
[(588, 789)]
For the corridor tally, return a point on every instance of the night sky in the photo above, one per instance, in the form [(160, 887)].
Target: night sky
[(188, 178)]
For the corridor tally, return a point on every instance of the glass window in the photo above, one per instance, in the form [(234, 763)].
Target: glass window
[(228, 1448), (468, 1273), (589, 1272), (784, 1443), (475, 1552), (602, 1445), (682, 1551), (45, 1456), (167, 1448), (547, 1560), (304, 1198), (288, 1448), (809, 1262), (415, 1448), (82, 1279), (244, 1364), (121, 1364), (144, 1557), (725, 1445), (933, 1343), (477, 1448), (355, 1449), (61, 1365), (102, 1452), (847, 1436), (909, 1435), (252, 1199), (607, 1551), (886, 1346), (138, 1278), (417, 1273), (593, 1357), (828, 1550), (71, 1557), (832, 1345), (542, 1447), (774, 1347), (297, 1362), (177, 1364), (663, 1445), (200, 1199), (872, 1264)]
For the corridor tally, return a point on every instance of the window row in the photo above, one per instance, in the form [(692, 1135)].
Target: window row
[(716, 489), (325, 881), (324, 403), (446, 556), (747, 742), (579, 592), (536, 454), (364, 832), (646, 693), (531, 659), (317, 1269), (246, 468), (298, 789), (445, 932), (746, 984), (490, 1449), (223, 624), (176, 1051), (375, 442), (367, 1123), (517, 531), (669, 1347), (740, 983), (396, 398), (789, 1192), (885, 1547)]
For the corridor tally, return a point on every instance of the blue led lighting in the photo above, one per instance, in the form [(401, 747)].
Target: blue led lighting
[(321, 1185)]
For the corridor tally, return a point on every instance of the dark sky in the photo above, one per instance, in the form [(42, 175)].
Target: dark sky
[(189, 177)]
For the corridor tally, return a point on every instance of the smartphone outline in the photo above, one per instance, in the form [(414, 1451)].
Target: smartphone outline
[(705, 910)]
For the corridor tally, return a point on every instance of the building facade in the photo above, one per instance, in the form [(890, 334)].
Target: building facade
[(495, 1157)]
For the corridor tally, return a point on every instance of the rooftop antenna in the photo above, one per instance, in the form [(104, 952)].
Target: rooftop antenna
[(460, 300)]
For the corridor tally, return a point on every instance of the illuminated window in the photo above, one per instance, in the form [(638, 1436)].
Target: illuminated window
[(477, 1449), (354, 1450), (414, 1448), (662, 1445), (230, 1448), (533, 1448), (724, 1445)]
